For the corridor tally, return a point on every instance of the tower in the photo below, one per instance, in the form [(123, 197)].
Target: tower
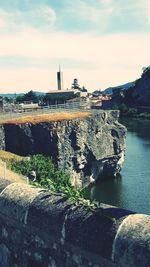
[(60, 79), (75, 84)]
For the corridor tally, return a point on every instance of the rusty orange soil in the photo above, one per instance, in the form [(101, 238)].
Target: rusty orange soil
[(34, 119)]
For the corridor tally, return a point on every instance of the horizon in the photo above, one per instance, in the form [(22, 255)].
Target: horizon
[(102, 44)]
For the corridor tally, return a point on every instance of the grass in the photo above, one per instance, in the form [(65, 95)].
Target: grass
[(10, 175), (5, 155), (34, 119)]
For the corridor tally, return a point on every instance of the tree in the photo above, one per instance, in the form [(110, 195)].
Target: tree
[(83, 89), (30, 96)]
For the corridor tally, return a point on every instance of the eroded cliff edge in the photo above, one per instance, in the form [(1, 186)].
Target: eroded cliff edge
[(89, 148)]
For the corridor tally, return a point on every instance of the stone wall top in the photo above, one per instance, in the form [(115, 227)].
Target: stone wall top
[(121, 237)]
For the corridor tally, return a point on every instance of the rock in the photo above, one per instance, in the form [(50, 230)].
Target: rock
[(88, 149), (141, 93), (32, 176)]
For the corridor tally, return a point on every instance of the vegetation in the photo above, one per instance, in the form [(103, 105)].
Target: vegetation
[(47, 117), (30, 96), (6, 156), (47, 176), (57, 99), (126, 111)]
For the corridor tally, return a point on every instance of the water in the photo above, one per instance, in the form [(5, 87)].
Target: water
[(130, 189)]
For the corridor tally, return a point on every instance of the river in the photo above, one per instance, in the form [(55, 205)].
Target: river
[(131, 188)]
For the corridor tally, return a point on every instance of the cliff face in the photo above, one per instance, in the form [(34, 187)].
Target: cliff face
[(141, 92), (88, 149), (135, 93)]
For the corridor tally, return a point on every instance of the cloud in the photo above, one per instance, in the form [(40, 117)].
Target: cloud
[(111, 48), (42, 17), (101, 16), (5, 19), (35, 36), (91, 13), (111, 59), (85, 16), (138, 11), (2, 23), (146, 6)]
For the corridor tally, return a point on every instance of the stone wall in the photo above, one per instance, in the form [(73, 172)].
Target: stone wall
[(43, 229), (88, 149)]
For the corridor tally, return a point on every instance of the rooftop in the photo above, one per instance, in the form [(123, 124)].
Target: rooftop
[(63, 91)]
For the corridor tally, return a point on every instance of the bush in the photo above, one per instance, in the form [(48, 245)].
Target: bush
[(54, 179), (47, 175)]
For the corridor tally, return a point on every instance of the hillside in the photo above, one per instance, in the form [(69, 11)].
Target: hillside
[(141, 90), (125, 86), (135, 93)]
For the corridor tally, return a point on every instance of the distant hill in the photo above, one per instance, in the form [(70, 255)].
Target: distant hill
[(125, 86), (135, 93), (141, 89), (12, 95)]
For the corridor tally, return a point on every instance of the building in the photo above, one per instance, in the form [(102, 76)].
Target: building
[(60, 79), (55, 94)]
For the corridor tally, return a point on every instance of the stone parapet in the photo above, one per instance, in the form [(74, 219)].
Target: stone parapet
[(42, 229)]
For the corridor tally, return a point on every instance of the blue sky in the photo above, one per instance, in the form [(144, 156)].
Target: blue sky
[(103, 43)]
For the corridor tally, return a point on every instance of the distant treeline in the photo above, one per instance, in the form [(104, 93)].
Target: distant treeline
[(126, 111)]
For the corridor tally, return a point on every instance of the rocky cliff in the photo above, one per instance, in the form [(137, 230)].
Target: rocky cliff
[(135, 93), (141, 90), (88, 149)]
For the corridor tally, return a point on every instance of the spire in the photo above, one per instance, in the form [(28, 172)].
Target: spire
[(60, 79)]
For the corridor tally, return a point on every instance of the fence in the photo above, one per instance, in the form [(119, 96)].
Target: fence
[(16, 111), (7, 174), (2, 170)]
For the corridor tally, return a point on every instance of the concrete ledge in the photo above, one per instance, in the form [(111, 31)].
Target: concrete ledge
[(71, 224), (3, 184), (131, 246), (56, 232), (15, 200)]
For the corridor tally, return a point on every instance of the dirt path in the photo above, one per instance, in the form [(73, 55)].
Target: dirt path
[(12, 176)]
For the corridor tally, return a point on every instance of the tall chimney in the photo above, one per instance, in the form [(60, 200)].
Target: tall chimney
[(60, 79)]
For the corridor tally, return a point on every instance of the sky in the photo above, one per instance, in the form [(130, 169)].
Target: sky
[(103, 43)]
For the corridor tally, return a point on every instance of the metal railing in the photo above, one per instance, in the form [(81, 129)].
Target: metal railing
[(17, 112), (2, 169)]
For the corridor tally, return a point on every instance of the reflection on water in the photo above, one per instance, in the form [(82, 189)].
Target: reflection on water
[(130, 189)]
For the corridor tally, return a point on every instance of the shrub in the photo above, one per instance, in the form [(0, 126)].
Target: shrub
[(47, 175)]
